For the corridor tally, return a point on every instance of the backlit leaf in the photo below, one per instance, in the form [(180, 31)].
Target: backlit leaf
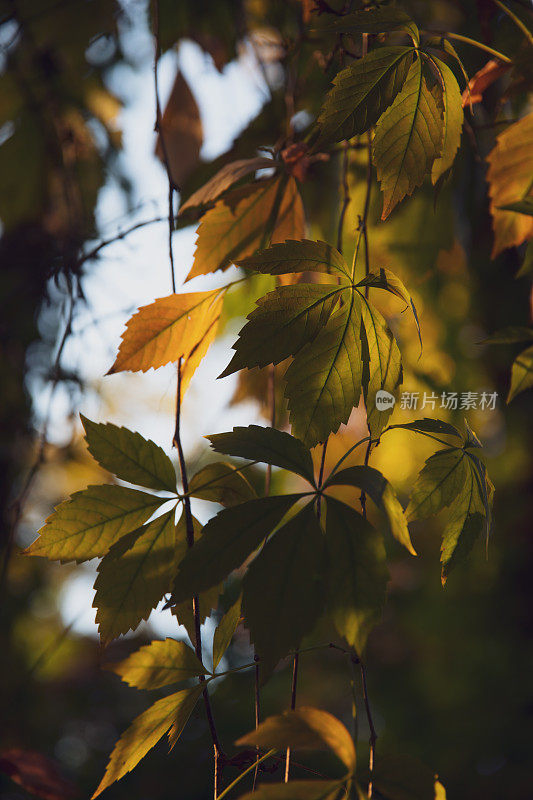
[(509, 176), (146, 730), (227, 540), (159, 663), (129, 456), (427, 425), (304, 729), (297, 256), (375, 20), (221, 483), (362, 92), (295, 790), (521, 373), (91, 521), (452, 119), (408, 139), (134, 576), (465, 522), (377, 487), (385, 279), (382, 367), (522, 206), (168, 329), (438, 483), (37, 774), (268, 445), (225, 630), (284, 321), (324, 380), (237, 224), (181, 135), (283, 592), (356, 573), (224, 180)]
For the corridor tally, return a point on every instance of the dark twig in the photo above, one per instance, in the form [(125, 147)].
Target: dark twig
[(373, 734)]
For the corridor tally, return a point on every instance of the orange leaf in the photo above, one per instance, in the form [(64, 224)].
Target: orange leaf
[(235, 227), (509, 175), (37, 774), (483, 78), (179, 326)]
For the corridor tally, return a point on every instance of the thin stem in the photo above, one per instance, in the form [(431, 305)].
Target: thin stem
[(122, 235), (257, 703), (517, 21), (294, 687), (272, 393), (348, 453), (373, 734), (321, 478), (246, 772), (345, 193), (458, 37), (363, 494)]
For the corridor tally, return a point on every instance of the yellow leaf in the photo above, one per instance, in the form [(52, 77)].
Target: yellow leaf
[(510, 175), (179, 326), (236, 226)]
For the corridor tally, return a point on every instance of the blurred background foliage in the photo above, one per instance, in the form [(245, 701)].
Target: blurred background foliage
[(449, 670)]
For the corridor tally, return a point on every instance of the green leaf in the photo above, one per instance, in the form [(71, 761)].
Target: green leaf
[(510, 335), (304, 729), (134, 576), (146, 730), (465, 523), (427, 425), (362, 92), (297, 256), (284, 321), (221, 483), (227, 541), (356, 573), (129, 456), (295, 790), (527, 263), (91, 521), (382, 367), (377, 487), (408, 139), (401, 778), (268, 445), (452, 119), (159, 664), (521, 373), (324, 380), (283, 589), (522, 206), (207, 601), (385, 279), (375, 20), (438, 483), (225, 630)]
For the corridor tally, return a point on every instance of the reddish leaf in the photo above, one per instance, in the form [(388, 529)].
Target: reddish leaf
[(36, 773)]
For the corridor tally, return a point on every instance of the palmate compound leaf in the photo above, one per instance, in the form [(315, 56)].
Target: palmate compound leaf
[(408, 139), (160, 663), (449, 95), (362, 92), (297, 256), (91, 521), (283, 592), (295, 790), (380, 491), (356, 573), (304, 729), (267, 445), (239, 224), (227, 541), (129, 456), (221, 483), (223, 180), (225, 630), (180, 326), (375, 20), (146, 730), (521, 373), (135, 574), (509, 176), (453, 478), (284, 321)]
